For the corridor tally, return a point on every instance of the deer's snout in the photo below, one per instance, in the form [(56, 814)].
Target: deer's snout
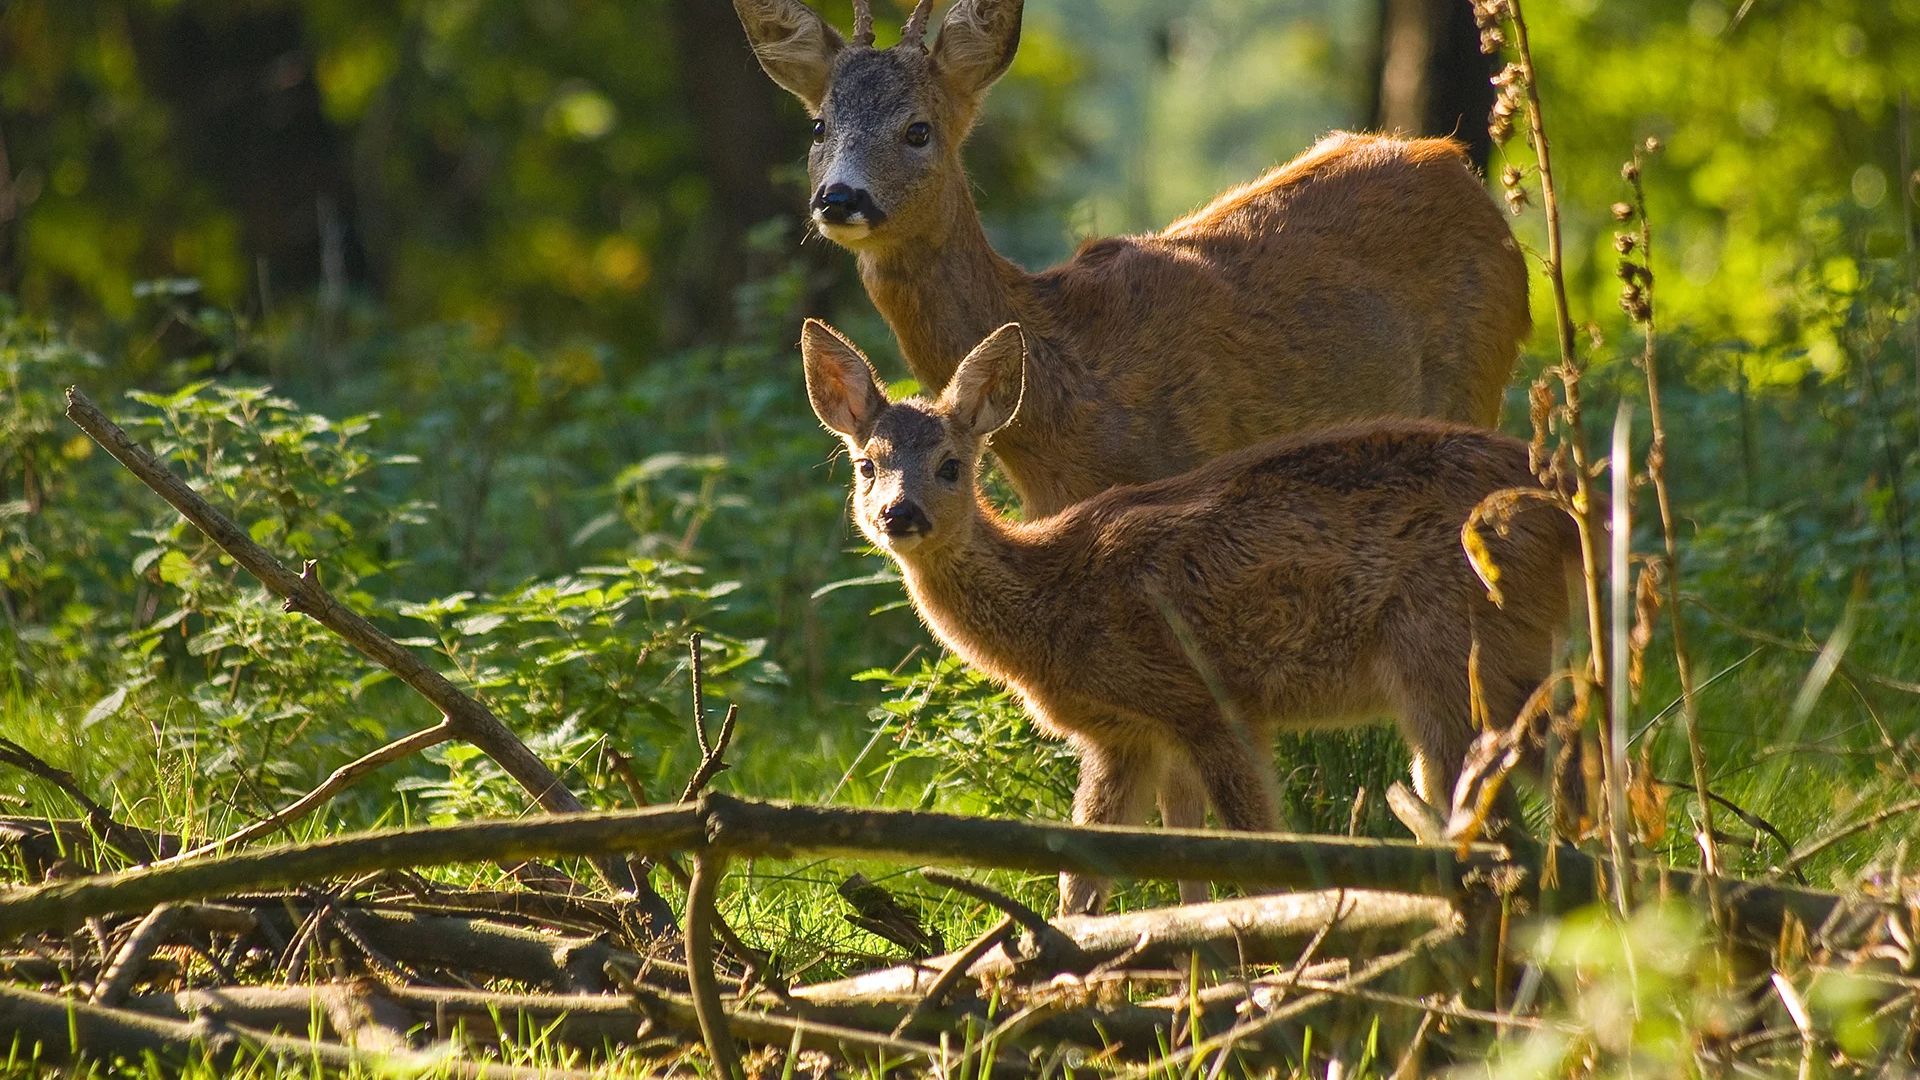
[(904, 518), (841, 204)]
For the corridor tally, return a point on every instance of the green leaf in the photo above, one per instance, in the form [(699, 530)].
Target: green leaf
[(105, 707), (176, 568)]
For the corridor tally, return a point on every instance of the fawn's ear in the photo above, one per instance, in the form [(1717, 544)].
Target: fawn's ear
[(793, 43), (840, 382), (985, 391), (976, 43)]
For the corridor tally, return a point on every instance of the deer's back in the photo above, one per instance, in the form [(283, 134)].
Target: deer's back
[(1372, 277), (1290, 566)]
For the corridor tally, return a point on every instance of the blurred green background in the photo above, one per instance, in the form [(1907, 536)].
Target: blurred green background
[(525, 276)]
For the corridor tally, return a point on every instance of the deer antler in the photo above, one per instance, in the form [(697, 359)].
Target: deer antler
[(917, 24), (862, 23)]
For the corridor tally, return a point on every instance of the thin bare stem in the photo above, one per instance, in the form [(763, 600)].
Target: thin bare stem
[(1884, 815), (1657, 472), (338, 781), (1586, 513)]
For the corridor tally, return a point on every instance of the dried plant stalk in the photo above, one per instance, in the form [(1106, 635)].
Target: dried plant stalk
[(1637, 299)]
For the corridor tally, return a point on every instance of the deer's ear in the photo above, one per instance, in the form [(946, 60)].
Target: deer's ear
[(976, 43), (840, 382), (793, 43), (985, 391)]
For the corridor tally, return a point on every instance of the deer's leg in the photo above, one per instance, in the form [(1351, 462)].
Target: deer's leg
[(1183, 805), (1236, 768), (1116, 785)]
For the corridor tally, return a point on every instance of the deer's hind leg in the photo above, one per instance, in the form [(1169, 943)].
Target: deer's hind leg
[(1117, 782), (1236, 767), (1183, 805)]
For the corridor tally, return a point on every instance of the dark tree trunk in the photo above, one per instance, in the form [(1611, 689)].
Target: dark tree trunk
[(1432, 78), (747, 130), (246, 113)]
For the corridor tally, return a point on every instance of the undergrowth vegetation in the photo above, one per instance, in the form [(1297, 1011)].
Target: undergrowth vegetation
[(552, 521)]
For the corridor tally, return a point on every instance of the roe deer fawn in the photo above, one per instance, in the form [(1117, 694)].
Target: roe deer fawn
[(1370, 277), (1307, 581)]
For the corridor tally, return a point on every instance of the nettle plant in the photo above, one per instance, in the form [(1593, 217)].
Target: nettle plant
[(588, 663), (580, 662), (257, 679)]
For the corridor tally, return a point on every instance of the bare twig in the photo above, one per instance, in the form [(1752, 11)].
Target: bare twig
[(1048, 939), (336, 782), (136, 843), (712, 759), (955, 970), (1586, 509), (1885, 814), (1645, 314)]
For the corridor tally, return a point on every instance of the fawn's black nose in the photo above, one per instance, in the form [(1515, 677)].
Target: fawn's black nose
[(839, 204), (904, 518)]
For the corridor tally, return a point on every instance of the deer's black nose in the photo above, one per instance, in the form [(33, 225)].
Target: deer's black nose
[(904, 518), (839, 204)]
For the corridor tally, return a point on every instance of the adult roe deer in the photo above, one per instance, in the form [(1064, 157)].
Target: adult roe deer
[(1369, 277), (1306, 581)]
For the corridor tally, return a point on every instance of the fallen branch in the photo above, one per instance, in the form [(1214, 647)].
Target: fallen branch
[(141, 845), (722, 824), (68, 1032), (132, 958), (1226, 933)]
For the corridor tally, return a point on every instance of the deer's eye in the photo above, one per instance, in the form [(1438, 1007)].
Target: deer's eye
[(819, 130), (949, 470), (918, 133), (866, 469)]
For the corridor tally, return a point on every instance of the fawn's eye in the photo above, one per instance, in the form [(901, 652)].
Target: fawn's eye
[(819, 130), (918, 133), (949, 470), (866, 469)]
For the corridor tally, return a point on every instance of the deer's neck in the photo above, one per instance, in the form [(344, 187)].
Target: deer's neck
[(986, 597), (945, 291)]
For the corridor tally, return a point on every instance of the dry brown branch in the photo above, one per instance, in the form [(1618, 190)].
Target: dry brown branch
[(708, 1009), (470, 720), (42, 841), (336, 782), (1413, 812), (722, 824), (1253, 930), (68, 1031), (1047, 946), (132, 958), (1255, 1028), (1879, 817), (476, 946), (141, 845), (955, 970), (63, 903)]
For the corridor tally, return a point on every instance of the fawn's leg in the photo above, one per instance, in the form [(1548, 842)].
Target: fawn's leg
[(1183, 805), (1116, 782)]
